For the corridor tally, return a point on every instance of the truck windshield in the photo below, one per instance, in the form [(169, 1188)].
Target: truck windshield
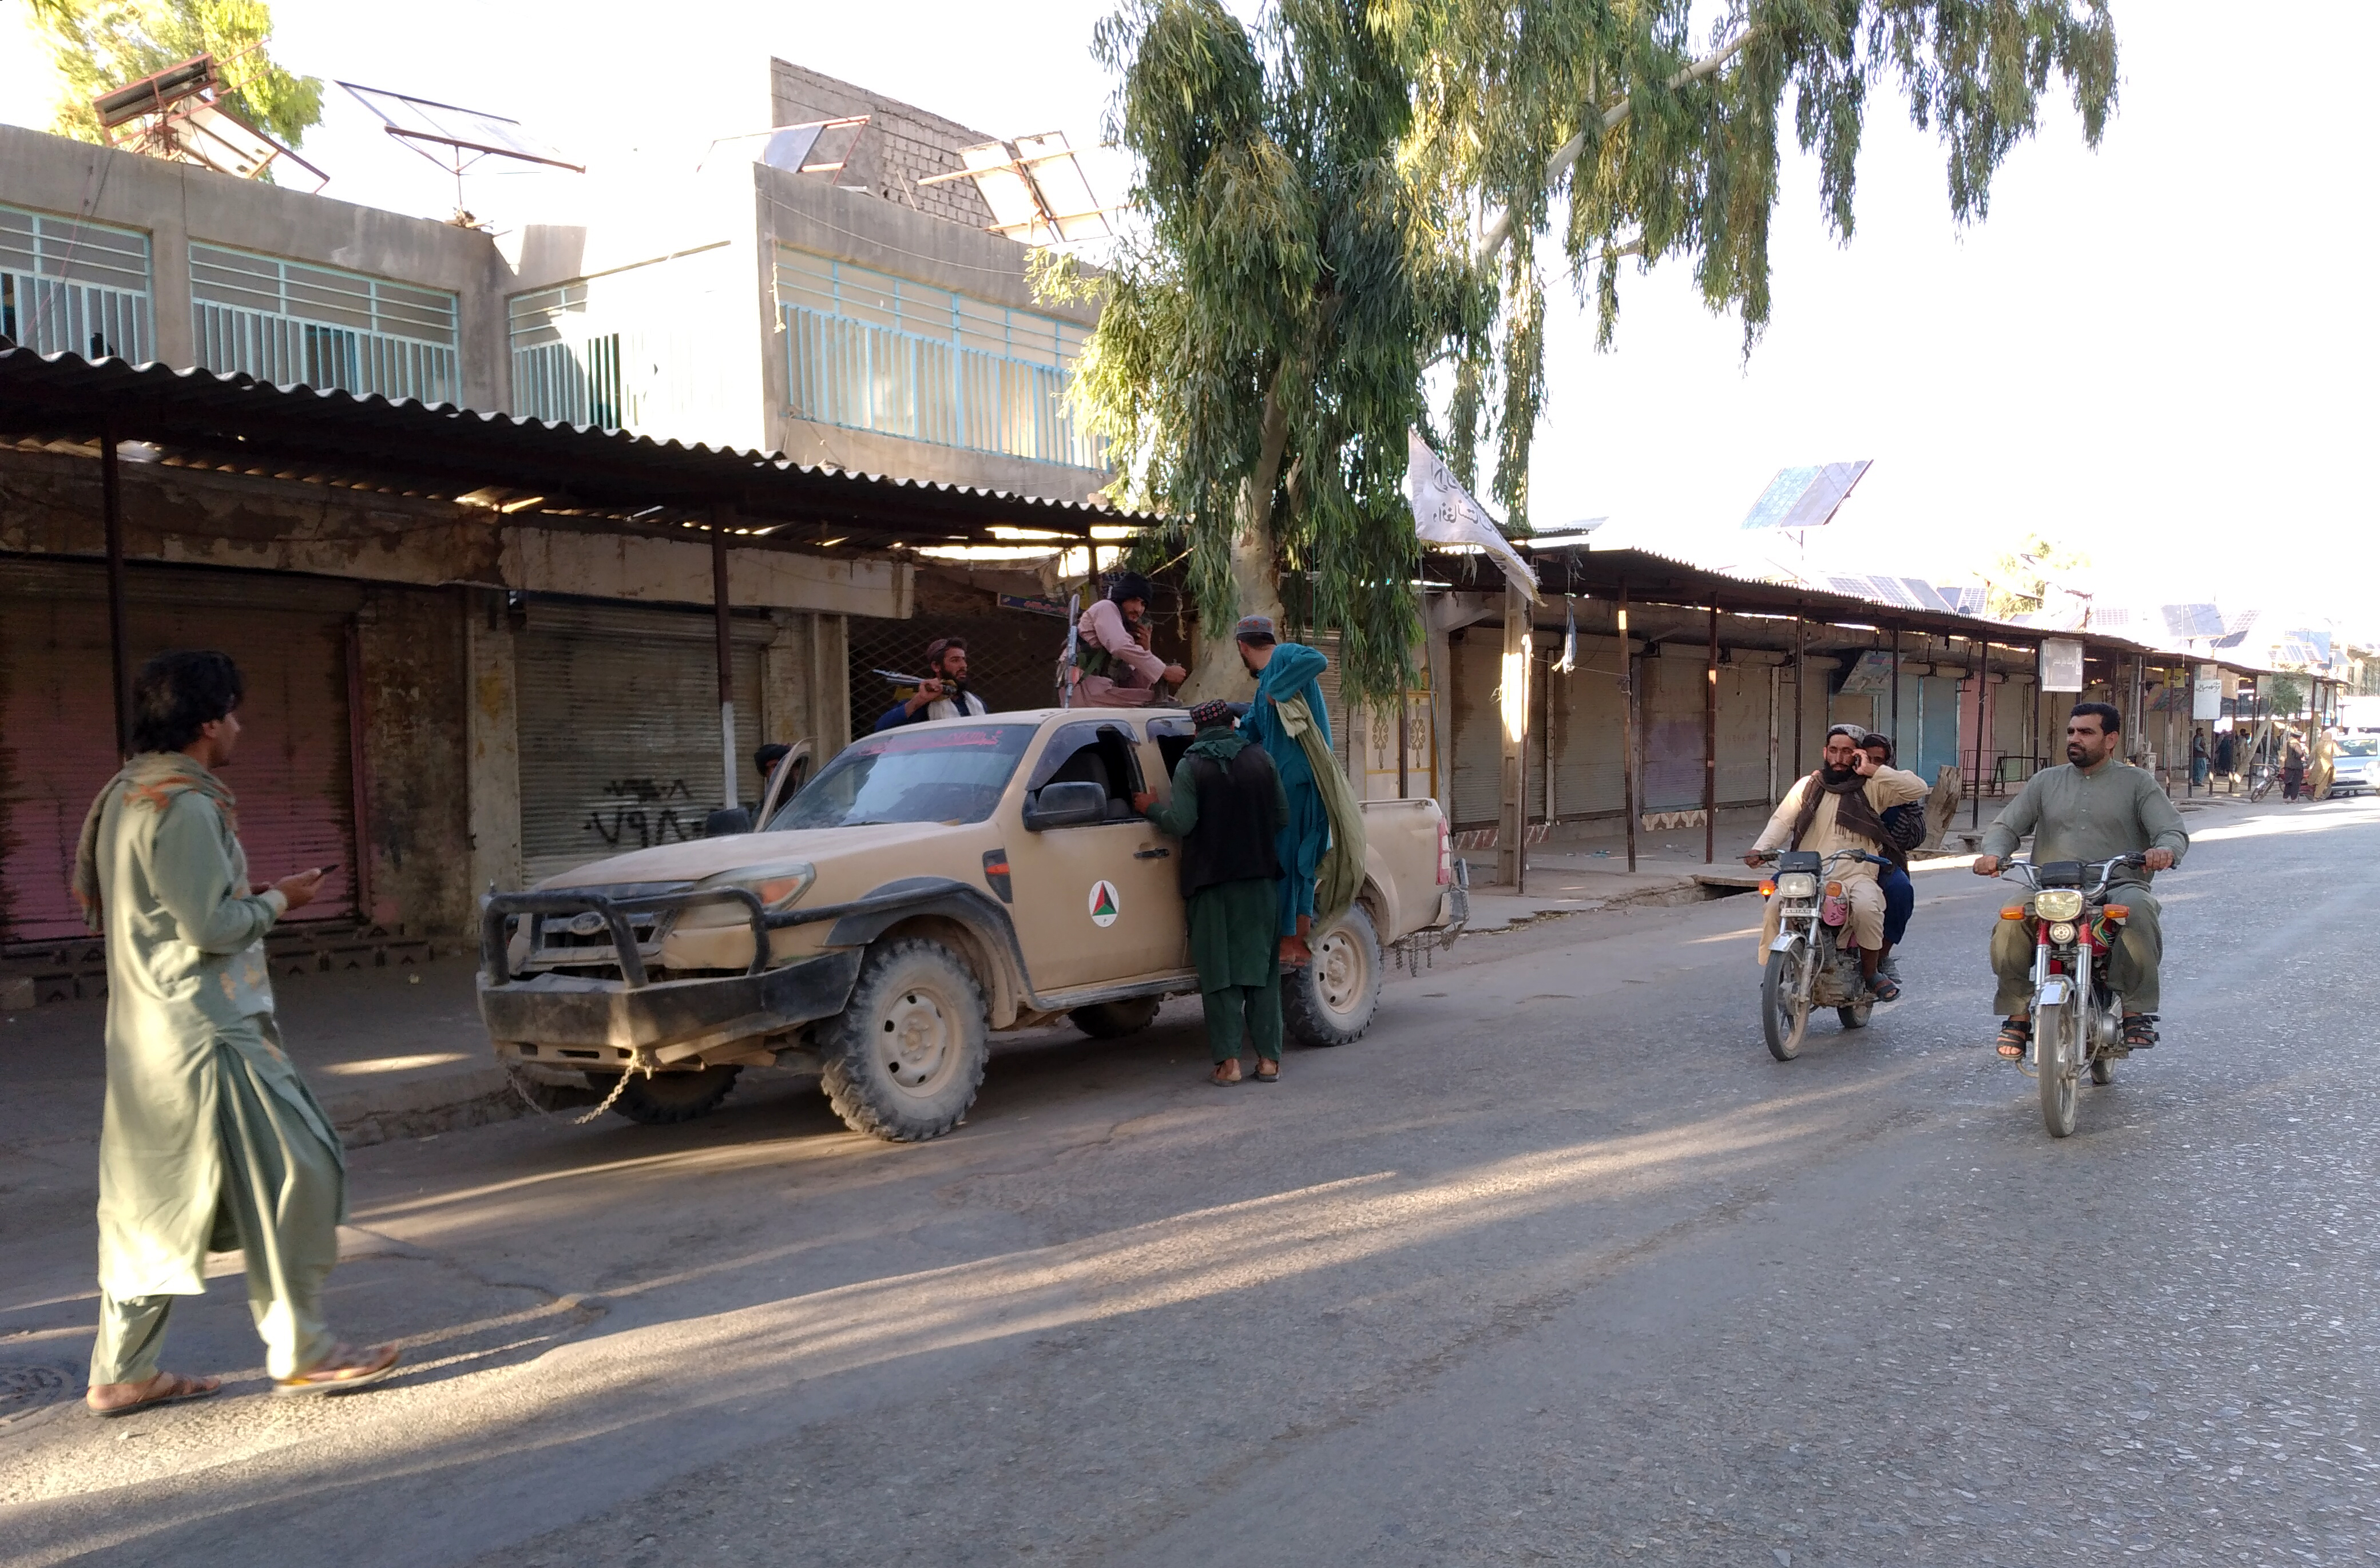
[(936, 775)]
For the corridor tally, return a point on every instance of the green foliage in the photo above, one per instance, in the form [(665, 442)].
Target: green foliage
[(2286, 696), (2020, 581), (1325, 196), (99, 45)]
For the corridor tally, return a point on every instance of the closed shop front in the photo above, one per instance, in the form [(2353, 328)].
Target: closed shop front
[(1587, 739), (1671, 712), (1744, 735), (1476, 655), (293, 770), (619, 728)]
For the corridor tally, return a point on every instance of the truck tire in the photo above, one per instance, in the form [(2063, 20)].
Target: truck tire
[(1113, 1020), (905, 1057), (665, 1099), (1330, 1001)]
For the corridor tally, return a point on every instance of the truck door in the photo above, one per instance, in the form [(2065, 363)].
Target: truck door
[(1099, 902)]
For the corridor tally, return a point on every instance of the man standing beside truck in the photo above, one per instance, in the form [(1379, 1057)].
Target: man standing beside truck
[(1227, 809)]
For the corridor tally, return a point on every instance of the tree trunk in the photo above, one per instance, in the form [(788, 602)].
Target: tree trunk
[(1219, 675)]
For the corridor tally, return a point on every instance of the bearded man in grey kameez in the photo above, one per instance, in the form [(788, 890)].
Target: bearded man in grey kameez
[(211, 1138)]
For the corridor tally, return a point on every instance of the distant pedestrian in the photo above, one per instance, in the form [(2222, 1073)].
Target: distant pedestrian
[(1113, 667), (1321, 849), (2293, 766), (2227, 753), (2198, 760), (1227, 809), (211, 1139), (2324, 771)]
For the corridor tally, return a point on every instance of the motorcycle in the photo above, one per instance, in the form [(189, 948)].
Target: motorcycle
[(1811, 964), (2078, 1019)]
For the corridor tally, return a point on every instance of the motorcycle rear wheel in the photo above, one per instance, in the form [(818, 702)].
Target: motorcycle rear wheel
[(2056, 1062), (1784, 1014), (1856, 1018), (2103, 1072)]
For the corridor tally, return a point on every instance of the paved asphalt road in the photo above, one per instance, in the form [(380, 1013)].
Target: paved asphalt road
[(1556, 1266)]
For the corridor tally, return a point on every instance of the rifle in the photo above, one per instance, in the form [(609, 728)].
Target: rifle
[(1066, 660)]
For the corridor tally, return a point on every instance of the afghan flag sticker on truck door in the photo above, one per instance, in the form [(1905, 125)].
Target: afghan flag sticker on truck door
[(1104, 905)]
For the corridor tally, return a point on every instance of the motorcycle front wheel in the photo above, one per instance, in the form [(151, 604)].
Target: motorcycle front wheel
[(2057, 1059), (1784, 1008)]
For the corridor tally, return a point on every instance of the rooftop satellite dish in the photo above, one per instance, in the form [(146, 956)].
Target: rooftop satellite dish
[(177, 114), (463, 135), (1035, 187)]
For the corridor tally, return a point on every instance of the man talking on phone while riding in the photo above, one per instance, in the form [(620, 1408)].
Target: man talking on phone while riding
[(1842, 808), (2093, 808)]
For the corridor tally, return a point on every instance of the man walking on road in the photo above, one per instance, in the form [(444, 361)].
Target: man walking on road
[(1228, 807), (2093, 808), (210, 1139), (1841, 806)]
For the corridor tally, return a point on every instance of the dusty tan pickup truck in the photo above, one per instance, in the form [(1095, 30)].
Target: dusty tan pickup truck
[(932, 883)]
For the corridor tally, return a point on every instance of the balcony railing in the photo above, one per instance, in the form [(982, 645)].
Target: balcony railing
[(50, 316), (840, 371), (287, 350)]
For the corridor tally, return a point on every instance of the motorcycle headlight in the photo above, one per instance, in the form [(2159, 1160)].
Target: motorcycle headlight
[(1798, 884), (2058, 904), (2062, 933)]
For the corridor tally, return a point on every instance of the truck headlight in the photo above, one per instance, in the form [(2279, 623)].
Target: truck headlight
[(1797, 884), (779, 884)]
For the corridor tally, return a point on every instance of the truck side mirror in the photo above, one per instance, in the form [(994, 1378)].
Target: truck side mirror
[(1069, 804)]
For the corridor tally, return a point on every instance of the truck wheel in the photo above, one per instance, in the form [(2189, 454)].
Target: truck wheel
[(905, 1057), (1113, 1020), (1330, 1001), (665, 1098)]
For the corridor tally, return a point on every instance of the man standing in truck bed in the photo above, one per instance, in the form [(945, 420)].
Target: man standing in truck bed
[(1228, 807)]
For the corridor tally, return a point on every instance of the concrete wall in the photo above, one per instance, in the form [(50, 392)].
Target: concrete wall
[(177, 203), (414, 666)]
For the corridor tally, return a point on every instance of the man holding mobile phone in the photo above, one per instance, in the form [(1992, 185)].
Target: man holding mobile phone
[(211, 1138)]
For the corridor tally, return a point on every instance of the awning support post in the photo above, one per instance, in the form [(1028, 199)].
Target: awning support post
[(1710, 748), (119, 642), (1627, 729), (722, 515)]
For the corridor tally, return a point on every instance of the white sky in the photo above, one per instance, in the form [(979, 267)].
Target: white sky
[(2155, 352)]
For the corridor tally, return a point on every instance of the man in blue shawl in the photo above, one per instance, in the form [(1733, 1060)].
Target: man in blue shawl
[(1289, 671)]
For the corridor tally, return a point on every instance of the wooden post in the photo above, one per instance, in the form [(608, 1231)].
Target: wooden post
[(119, 638), (1627, 730), (1983, 682), (1710, 748), (1404, 739), (1776, 679), (1512, 801), (722, 515), (1894, 728), (1801, 658)]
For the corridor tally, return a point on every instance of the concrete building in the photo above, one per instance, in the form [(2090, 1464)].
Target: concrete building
[(465, 679)]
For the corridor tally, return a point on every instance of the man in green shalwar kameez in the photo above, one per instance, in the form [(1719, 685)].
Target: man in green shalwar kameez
[(1228, 807), (211, 1139)]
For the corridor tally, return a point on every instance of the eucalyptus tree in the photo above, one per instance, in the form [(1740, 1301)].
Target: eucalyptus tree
[(1343, 197)]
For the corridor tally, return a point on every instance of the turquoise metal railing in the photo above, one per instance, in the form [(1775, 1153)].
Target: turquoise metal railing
[(51, 316), (841, 372), (290, 351)]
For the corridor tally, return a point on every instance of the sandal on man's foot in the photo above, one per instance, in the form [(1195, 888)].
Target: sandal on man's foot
[(2140, 1030), (1226, 1074), (1267, 1072), (346, 1367), (2015, 1035), (166, 1388), (1883, 988)]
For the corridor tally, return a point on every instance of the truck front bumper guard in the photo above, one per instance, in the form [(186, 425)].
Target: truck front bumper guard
[(636, 1011)]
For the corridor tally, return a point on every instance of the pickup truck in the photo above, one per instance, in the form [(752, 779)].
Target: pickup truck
[(932, 883)]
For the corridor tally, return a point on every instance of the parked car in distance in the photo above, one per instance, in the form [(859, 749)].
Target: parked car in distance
[(2357, 770), (930, 884)]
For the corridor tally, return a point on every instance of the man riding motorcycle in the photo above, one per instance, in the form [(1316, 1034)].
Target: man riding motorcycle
[(1841, 806), (2094, 806)]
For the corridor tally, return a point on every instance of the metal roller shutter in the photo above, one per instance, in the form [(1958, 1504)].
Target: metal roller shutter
[(1476, 663), (1938, 725), (1671, 712), (293, 769), (1587, 742), (1744, 733), (619, 729)]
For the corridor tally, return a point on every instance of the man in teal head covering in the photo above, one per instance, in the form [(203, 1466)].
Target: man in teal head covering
[(1290, 673)]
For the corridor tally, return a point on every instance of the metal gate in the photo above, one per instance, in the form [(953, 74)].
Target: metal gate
[(1011, 659), (619, 729), (293, 768)]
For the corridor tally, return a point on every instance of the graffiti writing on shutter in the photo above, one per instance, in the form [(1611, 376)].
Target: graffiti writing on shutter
[(644, 814)]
